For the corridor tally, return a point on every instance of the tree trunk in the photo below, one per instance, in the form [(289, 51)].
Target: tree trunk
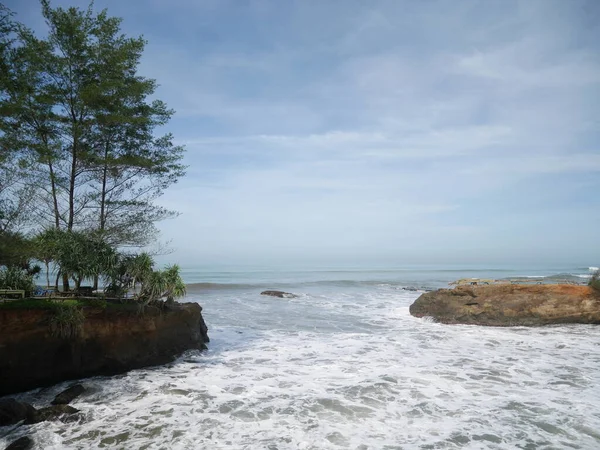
[(72, 177), (54, 195), (103, 202), (65, 279), (47, 274)]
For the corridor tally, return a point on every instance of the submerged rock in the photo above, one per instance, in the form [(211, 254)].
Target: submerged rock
[(511, 305), (68, 395), (13, 411), (279, 294), (50, 413), (23, 443)]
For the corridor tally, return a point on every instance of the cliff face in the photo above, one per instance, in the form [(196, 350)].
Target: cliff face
[(510, 305), (111, 342)]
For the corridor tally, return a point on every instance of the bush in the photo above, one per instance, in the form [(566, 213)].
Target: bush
[(67, 321), (595, 282), (14, 277)]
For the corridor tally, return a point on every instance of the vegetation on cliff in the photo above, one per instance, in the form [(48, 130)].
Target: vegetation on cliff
[(595, 282), (81, 160)]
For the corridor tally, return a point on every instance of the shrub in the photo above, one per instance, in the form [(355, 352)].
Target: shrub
[(595, 282), (14, 277), (67, 321)]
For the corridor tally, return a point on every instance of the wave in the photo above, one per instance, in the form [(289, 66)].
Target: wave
[(299, 284), (407, 282), (216, 286)]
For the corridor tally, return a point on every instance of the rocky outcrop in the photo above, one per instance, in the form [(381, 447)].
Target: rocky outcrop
[(23, 443), (13, 411), (111, 341), (50, 413), (279, 294), (68, 395), (510, 305)]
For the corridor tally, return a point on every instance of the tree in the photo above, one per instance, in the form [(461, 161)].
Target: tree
[(15, 195), (161, 284), (15, 250), (77, 115), (78, 255)]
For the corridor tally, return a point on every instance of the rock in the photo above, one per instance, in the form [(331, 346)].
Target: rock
[(510, 305), (50, 413), (112, 341), (68, 395), (13, 411), (279, 294), (23, 443)]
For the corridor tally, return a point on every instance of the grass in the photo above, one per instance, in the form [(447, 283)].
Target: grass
[(49, 304)]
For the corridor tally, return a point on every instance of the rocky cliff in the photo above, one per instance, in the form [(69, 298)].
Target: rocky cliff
[(110, 341), (511, 305)]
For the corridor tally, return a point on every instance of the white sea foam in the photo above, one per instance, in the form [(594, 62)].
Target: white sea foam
[(593, 269), (332, 370)]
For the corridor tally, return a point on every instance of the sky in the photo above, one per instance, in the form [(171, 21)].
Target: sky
[(376, 132)]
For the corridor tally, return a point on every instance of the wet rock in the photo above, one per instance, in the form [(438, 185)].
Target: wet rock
[(23, 443), (510, 305), (279, 294), (50, 413), (68, 395), (13, 411)]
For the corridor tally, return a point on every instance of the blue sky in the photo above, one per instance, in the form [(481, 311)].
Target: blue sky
[(377, 131)]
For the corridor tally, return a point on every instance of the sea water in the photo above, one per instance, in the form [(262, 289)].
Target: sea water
[(344, 366)]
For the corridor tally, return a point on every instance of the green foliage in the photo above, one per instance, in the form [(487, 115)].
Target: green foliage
[(83, 124), (79, 135), (13, 277), (594, 282), (28, 303), (15, 249), (98, 303), (161, 284), (79, 255), (67, 321)]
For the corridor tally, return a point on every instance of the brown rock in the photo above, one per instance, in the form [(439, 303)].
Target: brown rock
[(510, 305)]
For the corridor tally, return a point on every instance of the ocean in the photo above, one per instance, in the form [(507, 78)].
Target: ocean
[(345, 366)]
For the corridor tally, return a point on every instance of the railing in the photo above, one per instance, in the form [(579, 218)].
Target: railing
[(4, 292)]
